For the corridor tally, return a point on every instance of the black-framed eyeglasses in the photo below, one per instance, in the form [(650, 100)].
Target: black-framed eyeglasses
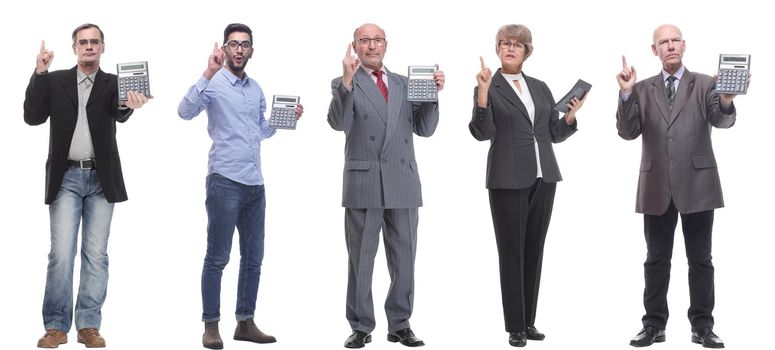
[(234, 44), (87, 42), (505, 44), (367, 41)]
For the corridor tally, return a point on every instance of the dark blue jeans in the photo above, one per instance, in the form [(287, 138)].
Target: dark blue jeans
[(231, 204)]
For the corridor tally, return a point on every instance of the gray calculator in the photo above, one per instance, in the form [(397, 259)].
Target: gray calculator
[(284, 112), (422, 86), (733, 74), (133, 76)]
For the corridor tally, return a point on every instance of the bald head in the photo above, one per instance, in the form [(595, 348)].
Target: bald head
[(669, 46), (368, 27), (666, 30)]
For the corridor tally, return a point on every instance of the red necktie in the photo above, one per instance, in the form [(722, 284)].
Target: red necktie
[(381, 84)]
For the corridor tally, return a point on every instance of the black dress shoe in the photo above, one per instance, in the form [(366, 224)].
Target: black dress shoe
[(707, 338), (357, 340), (533, 334), (647, 336), (406, 337), (518, 339)]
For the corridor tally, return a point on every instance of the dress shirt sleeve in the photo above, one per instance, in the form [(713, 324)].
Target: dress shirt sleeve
[(197, 99), (266, 130)]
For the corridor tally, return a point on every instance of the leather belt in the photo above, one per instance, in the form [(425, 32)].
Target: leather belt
[(83, 164)]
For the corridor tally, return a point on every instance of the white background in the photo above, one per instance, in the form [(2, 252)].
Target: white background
[(592, 279)]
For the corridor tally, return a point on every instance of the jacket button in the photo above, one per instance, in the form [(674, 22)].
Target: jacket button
[(406, 140), (403, 161), (384, 161), (372, 138), (365, 117)]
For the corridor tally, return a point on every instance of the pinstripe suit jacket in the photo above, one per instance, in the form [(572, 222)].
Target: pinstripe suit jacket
[(677, 161), (380, 169)]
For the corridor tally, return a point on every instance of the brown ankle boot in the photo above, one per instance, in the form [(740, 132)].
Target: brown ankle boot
[(247, 330), (212, 337), (52, 339), (91, 338)]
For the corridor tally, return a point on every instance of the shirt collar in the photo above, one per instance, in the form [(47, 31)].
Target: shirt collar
[(371, 71), (678, 74), (80, 76), (233, 79)]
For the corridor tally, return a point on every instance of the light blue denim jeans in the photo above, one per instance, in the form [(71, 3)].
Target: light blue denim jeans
[(80, 196)]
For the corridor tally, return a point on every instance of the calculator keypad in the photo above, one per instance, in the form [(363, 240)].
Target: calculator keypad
[(138, 84), (422, 90), (283, 118), (732, 81)]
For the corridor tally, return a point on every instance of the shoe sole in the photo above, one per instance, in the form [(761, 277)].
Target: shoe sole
[(697, 340), (91, 346), (52, 347), (659, 339), (254, 341), (394, 339)]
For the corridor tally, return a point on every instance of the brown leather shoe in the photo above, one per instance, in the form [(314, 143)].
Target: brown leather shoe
[(212, 337), (52, 339), (91, 338), (247, 330)]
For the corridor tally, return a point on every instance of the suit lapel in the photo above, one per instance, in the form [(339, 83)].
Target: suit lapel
[(395, 99), (537, 96), (659, 96), (364, 82), (100, 84), (70, 85), (685, 87), (503, 87)]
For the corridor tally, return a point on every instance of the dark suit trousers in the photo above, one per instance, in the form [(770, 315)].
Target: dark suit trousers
[(660, 230), (521, 218)]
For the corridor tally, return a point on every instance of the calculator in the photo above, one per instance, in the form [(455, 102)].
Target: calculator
[(733, 74), (133, 76), (284, 112), (422, 86)]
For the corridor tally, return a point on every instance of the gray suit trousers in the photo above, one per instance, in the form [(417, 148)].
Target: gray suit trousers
[(362, 227)]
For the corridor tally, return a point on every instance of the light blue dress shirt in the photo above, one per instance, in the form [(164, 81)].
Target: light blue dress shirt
[(236, 124)]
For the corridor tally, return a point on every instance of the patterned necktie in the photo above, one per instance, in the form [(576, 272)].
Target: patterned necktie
[(381, 84), (671, 90)]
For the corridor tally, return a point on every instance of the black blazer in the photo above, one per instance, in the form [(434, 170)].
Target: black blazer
[(55, 95), (511, 162)]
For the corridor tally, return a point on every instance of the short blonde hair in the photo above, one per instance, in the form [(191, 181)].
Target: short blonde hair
[(517, 32)]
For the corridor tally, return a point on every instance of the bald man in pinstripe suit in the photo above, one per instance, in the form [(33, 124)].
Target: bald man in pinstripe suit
[(381, 181), (673, 112)]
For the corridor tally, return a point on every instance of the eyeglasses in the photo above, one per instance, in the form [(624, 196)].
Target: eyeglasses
[(87, 42), (505, 44), (367, 41), (234, 44)]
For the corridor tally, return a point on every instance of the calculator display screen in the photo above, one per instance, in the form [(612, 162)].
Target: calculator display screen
[(422, 70), (281, 99), (136, 66), (734, 59)]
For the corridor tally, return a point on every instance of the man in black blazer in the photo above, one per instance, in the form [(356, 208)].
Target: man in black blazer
[(673, 112), (83, 180)]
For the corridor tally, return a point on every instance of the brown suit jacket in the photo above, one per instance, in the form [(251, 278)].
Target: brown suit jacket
[(677, 161)]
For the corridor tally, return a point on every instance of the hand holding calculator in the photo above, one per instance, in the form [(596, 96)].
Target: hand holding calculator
[(733, 71), (284, 112)]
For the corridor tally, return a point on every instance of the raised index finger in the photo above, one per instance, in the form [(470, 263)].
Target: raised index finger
[(42, 46), (215, 48), (481, 60), (624, 62), (349, 50)]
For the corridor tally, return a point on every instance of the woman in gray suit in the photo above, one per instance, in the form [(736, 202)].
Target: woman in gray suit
[(514, 112)]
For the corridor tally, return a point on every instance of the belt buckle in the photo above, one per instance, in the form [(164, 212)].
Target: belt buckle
[(86, 161)]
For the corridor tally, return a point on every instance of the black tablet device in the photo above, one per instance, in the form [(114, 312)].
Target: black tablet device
[(579, 90)]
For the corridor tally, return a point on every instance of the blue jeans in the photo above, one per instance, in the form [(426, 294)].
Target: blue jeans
[(231, 204), (80, 196)]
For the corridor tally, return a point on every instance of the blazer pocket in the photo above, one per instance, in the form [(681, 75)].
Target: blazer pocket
[(357, 165), (645, 165), (701, 162)]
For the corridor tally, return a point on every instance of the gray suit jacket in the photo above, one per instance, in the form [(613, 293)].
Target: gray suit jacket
[(511, 163), (677, 161), (380, 169)]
